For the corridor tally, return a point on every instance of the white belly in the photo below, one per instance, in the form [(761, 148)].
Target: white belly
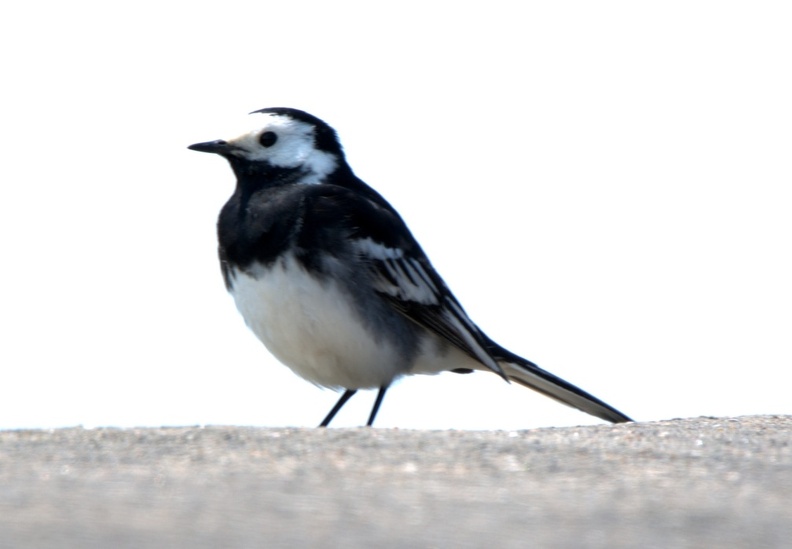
[(311, 327)]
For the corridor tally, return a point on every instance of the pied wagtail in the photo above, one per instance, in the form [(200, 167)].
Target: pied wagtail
[(331, 280)]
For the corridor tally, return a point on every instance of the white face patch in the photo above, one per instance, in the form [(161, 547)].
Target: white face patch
[(294, 147)]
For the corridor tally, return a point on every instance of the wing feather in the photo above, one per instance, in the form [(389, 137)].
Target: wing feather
[(399, 269), (414, 289)]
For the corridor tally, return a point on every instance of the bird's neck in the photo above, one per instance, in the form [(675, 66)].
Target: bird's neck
[(258, 175)]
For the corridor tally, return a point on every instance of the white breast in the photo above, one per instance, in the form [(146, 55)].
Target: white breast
[(310, 326)]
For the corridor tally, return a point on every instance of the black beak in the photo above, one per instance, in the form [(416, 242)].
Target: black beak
[(218, 147)]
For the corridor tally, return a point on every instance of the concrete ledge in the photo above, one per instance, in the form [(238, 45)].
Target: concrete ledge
[(703, 482)]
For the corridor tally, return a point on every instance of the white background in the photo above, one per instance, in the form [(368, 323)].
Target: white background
[(604, 185)]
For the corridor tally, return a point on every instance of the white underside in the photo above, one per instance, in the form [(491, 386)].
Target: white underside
[(310, 326)]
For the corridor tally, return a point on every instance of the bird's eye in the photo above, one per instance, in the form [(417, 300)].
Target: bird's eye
[(268, 139)]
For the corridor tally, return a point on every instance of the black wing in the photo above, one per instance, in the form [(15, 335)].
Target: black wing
[(399, 269)]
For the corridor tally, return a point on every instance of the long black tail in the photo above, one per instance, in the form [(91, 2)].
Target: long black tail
[(527, 373)]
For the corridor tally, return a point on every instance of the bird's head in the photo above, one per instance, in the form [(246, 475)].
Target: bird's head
[(284, 140)]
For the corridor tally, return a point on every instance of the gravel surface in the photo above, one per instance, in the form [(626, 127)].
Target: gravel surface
[(703, 482)]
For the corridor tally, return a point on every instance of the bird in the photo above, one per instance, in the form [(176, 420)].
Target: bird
[(328, 276)]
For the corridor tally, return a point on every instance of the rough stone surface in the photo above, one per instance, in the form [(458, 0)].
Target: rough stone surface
[(704, 482)]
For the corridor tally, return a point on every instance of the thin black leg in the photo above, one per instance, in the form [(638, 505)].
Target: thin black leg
[(377, 403), (340, 404)]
